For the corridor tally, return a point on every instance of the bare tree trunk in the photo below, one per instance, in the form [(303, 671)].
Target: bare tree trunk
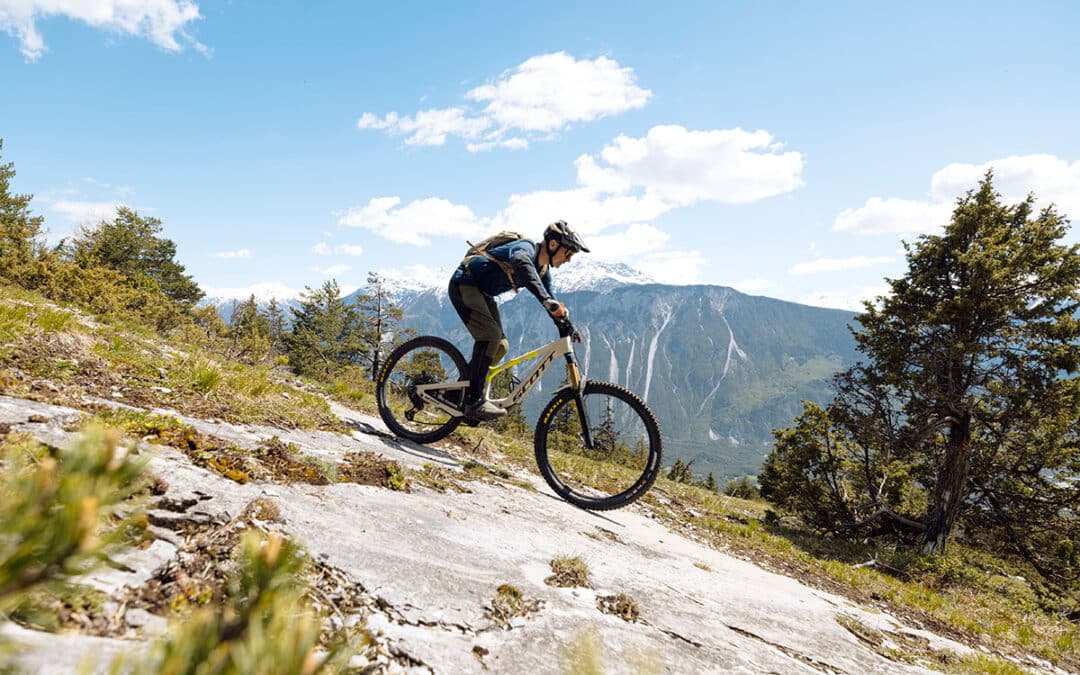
[(950, 490)]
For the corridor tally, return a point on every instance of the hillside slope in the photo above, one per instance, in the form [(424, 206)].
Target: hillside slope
[(425, 567)]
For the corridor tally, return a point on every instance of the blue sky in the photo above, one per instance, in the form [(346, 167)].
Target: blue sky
[(784, 149)]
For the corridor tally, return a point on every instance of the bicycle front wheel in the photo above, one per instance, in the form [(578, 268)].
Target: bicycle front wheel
[(421, 361), (624, 458)]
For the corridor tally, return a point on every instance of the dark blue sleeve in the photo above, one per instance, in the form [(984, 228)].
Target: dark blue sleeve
[(526, 274)]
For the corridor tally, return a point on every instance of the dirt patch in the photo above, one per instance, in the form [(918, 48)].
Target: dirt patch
[(440, 479), (619, 604), (896, 646), (272, 459), (369, 468)]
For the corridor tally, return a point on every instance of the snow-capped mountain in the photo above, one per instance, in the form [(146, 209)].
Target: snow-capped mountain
[(721, 369), (585, 274), (407, 281)]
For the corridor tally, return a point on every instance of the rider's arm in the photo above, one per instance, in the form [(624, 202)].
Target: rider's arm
[(526, 275)]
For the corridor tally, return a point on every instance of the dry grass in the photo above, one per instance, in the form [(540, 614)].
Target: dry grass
[(569, 572)]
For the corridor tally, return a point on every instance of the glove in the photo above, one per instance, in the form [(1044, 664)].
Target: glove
[(556, 309)]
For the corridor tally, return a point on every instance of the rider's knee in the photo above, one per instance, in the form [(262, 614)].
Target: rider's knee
[(497, 350)]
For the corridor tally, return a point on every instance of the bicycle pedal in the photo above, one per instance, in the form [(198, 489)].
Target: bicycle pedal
[(470, 422)]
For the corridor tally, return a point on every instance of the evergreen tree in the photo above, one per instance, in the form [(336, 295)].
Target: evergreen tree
[(326, 333), (566, 427), (20, 232), (513, 422), (710, 483), (681, 472), (966, 410), (380, 322), (275, 320), (250, 332), (606, 437), (743, 488), (130, 245)]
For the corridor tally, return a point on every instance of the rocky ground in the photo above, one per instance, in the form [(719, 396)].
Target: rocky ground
[(452, 576)]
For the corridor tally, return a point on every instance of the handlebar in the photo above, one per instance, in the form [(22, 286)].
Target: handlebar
[(567, 329)]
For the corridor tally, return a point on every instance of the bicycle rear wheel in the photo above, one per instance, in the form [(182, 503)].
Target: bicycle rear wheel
[(624, 459), (421, 361)]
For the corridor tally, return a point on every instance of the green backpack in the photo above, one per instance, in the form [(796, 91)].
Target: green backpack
[(480, 250)]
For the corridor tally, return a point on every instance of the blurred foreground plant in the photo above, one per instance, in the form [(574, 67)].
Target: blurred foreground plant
[(61, 511), (264, 624)]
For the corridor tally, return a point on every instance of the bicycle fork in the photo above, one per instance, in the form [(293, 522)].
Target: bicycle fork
[(577, 385)]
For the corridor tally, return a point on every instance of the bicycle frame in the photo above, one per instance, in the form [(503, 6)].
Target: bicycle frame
[(547, 355)]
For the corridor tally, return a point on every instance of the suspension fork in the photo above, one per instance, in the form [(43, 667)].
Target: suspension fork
[(577, 385)]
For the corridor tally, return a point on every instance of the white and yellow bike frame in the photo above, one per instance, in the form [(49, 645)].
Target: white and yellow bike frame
[(547, 355)]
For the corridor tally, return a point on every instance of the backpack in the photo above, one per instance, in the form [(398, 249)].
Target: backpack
[(480, 250)]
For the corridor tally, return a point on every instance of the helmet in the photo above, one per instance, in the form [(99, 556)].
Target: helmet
[(562, 233)]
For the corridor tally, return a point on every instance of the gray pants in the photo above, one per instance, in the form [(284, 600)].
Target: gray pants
[(480, 315)]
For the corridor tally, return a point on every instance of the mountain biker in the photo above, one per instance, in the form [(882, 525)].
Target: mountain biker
[(517, 264)]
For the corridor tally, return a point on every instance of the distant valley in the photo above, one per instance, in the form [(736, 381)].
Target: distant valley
[(720, 368)]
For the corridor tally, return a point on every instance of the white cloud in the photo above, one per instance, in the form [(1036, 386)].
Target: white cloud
[(635, 181), (637, 239), (510, 144), (548, 92), (682, 167), (1051, 180), (640, 179), (85, 213), (242, 253), (533, 101), (750, 286), (899, 216), (848, 299), (416, 222), (332, 270), (322, 248), (163, 22), (428, 127), (262, 291), (349, 249), (673, 267), (837, 264), (588, 210)]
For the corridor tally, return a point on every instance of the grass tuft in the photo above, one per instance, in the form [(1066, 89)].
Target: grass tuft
[(568, 572)]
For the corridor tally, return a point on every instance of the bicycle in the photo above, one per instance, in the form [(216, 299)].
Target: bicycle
[(597, 444)]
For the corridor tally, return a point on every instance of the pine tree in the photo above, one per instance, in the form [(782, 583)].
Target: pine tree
[(250, 332), (606, 437), (20, 232), (275, 319), (681, 472), (513, 422), (326, 333), (130, 245), (380, 322), (967, 408)]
